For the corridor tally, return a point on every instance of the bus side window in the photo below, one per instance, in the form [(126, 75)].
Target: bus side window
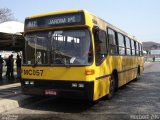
[(137, 48), (100, 46), (128, 46), (112, 42), (141, 49), (133, 47), (121, 43)]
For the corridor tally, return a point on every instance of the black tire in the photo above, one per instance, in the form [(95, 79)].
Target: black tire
[(138, 74), (112, 88)]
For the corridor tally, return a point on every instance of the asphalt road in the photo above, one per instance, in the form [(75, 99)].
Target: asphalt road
[(136, 100)]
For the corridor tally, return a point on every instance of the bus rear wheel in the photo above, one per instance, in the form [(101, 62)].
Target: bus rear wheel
[(138, 74), (111, 88)]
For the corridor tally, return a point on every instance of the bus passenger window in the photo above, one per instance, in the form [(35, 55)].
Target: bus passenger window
[(128, 46), (141, 49), (137, 48), (112, 42), (121, 44), (133, 47)]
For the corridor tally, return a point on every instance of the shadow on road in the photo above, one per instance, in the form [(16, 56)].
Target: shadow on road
[(60, 105)]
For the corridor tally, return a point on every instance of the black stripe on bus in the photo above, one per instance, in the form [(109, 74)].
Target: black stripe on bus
[(104, 76), (127, 70)]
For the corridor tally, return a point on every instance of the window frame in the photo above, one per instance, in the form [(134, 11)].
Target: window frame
[(124, 42), (137, 48), (106, 44), (128, 48), (133, 49), (112, 45)]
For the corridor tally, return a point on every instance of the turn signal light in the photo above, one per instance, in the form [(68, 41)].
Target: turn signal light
[(89, 72)]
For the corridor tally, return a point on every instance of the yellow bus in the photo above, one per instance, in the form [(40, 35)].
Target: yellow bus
[(75, 54)]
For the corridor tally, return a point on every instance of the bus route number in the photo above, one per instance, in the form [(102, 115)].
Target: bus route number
[(33, 72)]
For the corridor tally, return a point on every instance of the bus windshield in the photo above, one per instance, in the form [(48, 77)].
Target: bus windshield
[(59, 47)]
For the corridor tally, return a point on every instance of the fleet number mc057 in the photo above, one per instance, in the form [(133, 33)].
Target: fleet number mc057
[(33, 72)]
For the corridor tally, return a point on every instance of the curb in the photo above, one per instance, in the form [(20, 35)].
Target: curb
[(10, 86), (12, 103)]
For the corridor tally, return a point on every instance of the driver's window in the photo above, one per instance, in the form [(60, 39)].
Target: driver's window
[(100, 47)]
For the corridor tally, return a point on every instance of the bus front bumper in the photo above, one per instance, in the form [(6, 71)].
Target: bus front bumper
[(66, 89)]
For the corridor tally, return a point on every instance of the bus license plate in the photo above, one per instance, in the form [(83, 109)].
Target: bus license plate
[(50, 92)]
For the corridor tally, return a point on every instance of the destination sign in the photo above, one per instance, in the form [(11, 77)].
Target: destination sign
[(55, 20)]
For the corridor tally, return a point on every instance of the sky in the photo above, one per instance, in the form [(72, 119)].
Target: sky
[(140, 18)]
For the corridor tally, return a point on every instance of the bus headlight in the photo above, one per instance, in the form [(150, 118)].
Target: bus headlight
[(26, 82), (78, 85), (74, 85), (81, 85), (31, 82)]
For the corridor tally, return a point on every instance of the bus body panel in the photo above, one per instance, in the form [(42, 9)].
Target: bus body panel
[(56, 73)]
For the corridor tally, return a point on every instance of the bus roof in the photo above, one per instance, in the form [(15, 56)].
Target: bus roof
[(85, 12), (55, 13)]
